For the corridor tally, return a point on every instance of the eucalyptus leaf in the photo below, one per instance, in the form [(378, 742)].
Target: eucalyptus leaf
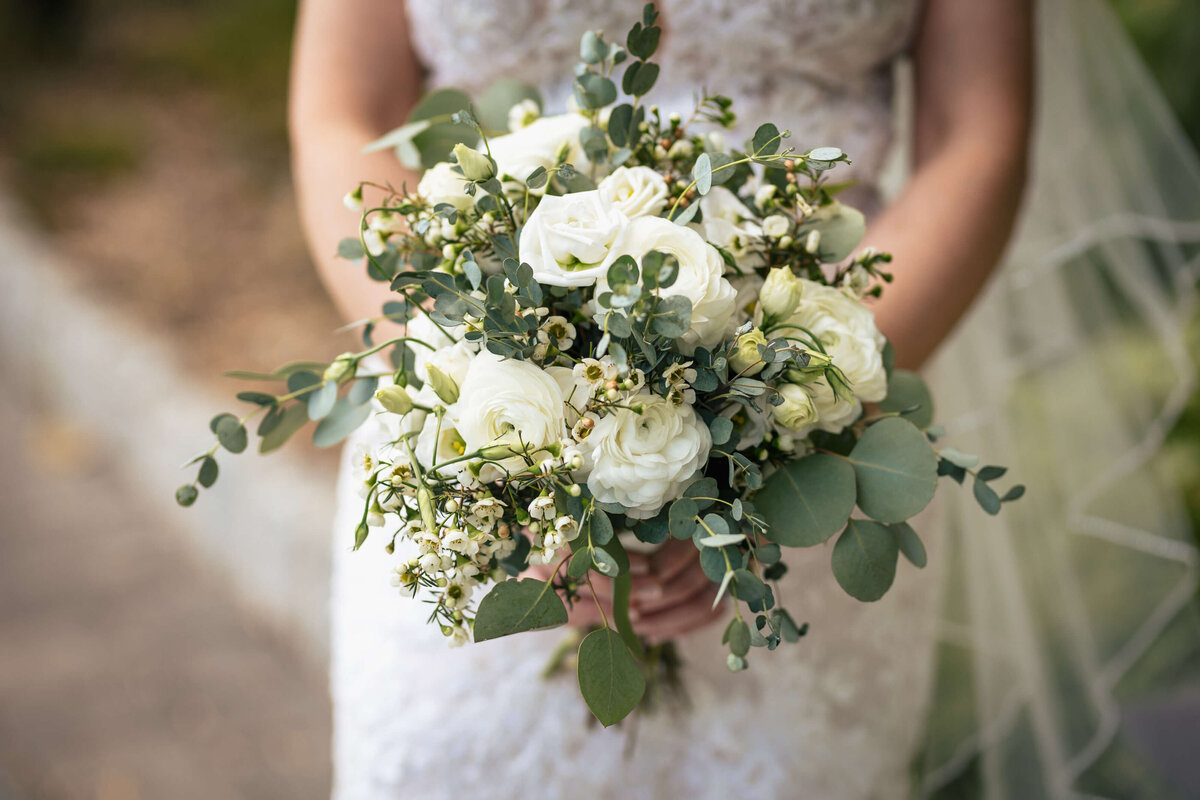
[(702, 174), (864, 559), (896, 470), (908, 395), (518, 606), (909, 543), (808, 500), (231, 433), (208, 472), (610, 678), (291, 419), (342, 420), (722, 540), (320, 402)]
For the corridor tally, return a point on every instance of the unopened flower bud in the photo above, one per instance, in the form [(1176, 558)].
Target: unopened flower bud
[(475, 166), (813, 241), (354, 199), (342, 369), (745, 360), (394, 399), (373, 241)]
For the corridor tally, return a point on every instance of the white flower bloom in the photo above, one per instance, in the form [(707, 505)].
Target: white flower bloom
[(557, 331), (567, 528), (797, 412), (539, 144), (635, 191), (780, 293), (441, 184), (643, 461), (523, 114), (568, 238), (542, 508), (508, 402), (763, 194), (846, 328), (458, 636), (700, 275), (775, 225)]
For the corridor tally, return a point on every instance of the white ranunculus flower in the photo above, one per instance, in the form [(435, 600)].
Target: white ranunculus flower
[(441, 184), (635, 191), (846, 328), (539, 144), (567, 238), (643, 461), (700, 275), (508, 402)]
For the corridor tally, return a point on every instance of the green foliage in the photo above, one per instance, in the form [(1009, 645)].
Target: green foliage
[(896, 470), (610, 679), (341, 421), (864, 559), (908, 396), (516, 606), (807, 500)]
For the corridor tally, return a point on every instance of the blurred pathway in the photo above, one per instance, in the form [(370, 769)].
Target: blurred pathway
[(127, 670)]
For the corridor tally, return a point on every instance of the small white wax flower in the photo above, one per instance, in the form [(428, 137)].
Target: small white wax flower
[(373, 241), (775, 225)]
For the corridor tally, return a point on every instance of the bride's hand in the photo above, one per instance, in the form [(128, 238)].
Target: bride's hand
[(670, 595)]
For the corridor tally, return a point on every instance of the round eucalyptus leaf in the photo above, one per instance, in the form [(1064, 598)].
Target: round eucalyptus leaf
[(320, 402), (864, 559), (896, 470), (910, 544), (610, 678), (825, 153), (808, 500), (186, 495), (908, 395), (208, 472), (231, 434), (343, 420)]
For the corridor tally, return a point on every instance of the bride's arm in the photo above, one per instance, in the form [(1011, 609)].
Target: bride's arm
[(354, 77), (948, 227)]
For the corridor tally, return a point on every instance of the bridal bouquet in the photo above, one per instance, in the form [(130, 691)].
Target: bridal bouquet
[(618, 330)]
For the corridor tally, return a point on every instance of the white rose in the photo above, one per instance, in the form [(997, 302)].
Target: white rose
[(539, 144), (635, 191), (567, 238), (846, 328), (441, 184), (798, 412), (780, 293), (700, 281), (643, 461), (508, 402)]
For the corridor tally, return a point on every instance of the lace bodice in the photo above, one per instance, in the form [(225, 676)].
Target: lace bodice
[(836, 716), (821, 68)]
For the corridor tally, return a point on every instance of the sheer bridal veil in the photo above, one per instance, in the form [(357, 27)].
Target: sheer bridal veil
[(1079, 601)]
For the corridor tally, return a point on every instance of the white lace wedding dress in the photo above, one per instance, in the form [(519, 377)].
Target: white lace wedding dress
[(837, 715)]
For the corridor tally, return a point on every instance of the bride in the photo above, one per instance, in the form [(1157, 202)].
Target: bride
[(843, 715)]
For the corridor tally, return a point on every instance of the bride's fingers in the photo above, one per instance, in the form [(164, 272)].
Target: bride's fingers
[(672, 558), (656, 597), (680, 619)]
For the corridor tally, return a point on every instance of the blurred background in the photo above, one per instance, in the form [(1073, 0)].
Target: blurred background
[(148, 241)]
